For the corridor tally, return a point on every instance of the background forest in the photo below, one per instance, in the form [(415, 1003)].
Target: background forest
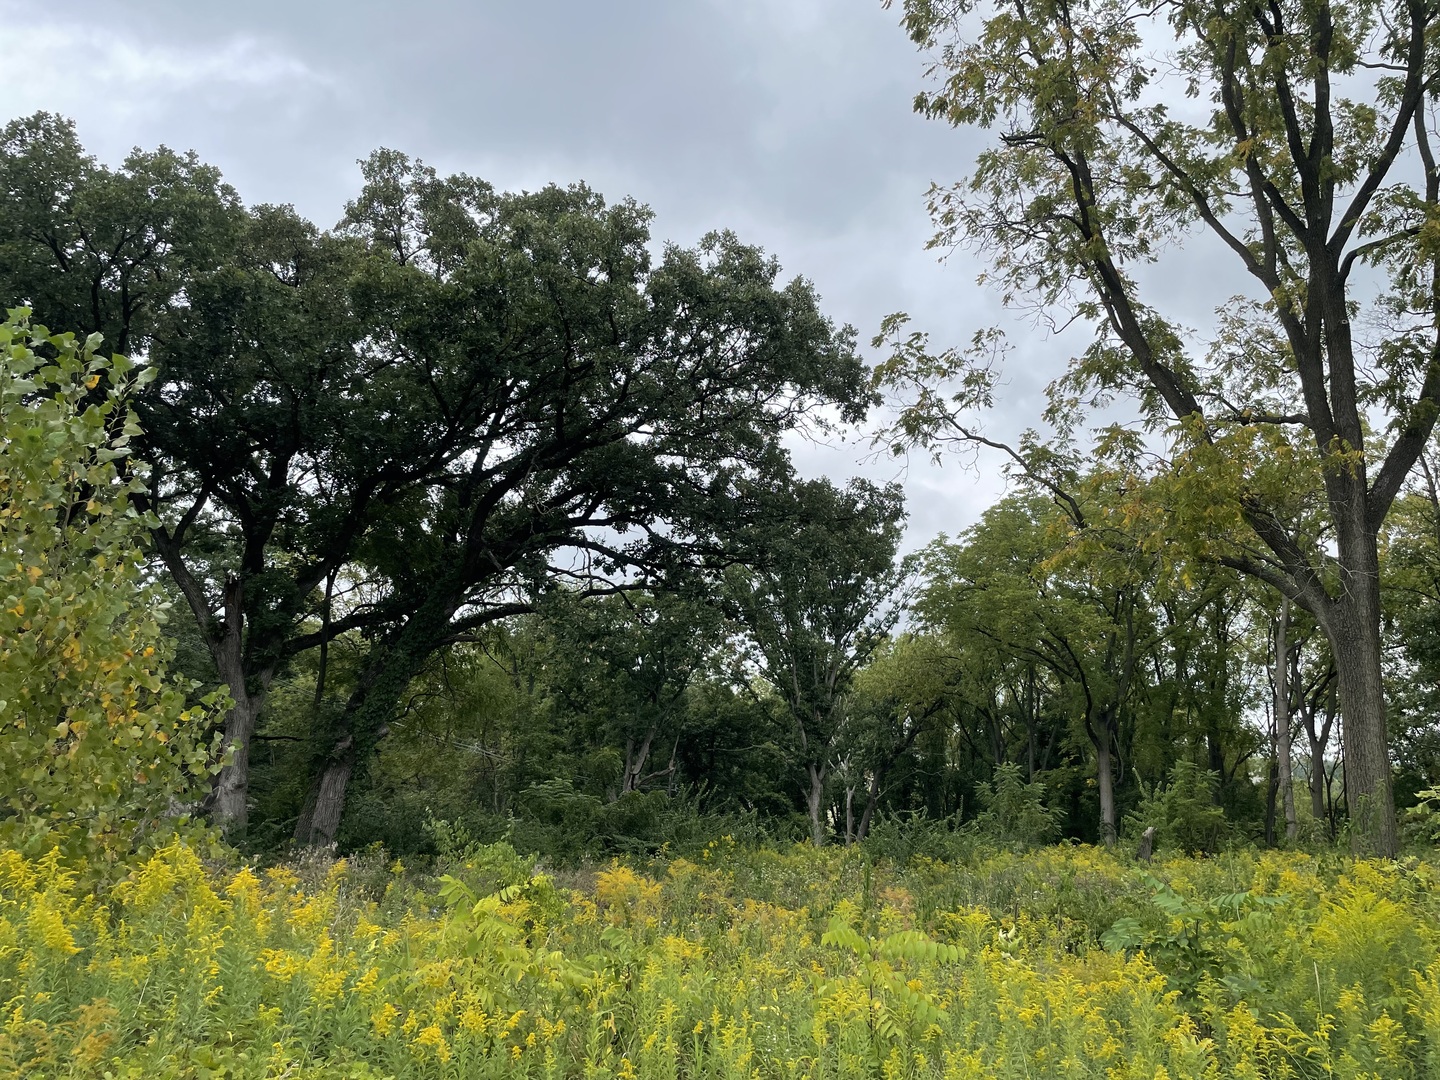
[(480, 513)]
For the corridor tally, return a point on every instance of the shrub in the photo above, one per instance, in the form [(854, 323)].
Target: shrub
[(97, 746), (1183, 811), (1015, 812), (905, 837)]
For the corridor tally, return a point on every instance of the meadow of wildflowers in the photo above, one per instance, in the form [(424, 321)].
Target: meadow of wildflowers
[(1066, 962)]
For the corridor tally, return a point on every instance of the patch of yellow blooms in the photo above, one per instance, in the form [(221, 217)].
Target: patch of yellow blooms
[(725, 968)]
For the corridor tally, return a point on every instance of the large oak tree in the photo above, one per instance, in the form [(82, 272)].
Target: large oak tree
[(407, 425)]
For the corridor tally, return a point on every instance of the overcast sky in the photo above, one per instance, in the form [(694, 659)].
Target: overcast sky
[(788, 121)]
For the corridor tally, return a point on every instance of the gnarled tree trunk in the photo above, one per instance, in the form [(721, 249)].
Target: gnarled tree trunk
[(815, 802)]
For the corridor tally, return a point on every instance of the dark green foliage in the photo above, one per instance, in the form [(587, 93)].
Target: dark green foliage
[(1014, 811), (1182, 810)]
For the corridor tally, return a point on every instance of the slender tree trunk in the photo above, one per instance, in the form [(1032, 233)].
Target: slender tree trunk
[(1317, 734), (1030, 725), (849, 814), (872, 797), (1317, 779), (1282, 719), (1272, 788)]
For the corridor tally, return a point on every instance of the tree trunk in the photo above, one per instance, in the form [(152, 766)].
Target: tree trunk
[(1317, 734), (1105, 777), (389, 668), (1317, 779), (229, 800), (1272, 789), (229, 803), (319, 822), (1282, 719), (635, 761), (815, 800), (872, 798), (224, 636), (1355, 644)]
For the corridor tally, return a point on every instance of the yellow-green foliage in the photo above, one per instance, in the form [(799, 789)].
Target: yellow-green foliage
[(95, 742), (744, 964)]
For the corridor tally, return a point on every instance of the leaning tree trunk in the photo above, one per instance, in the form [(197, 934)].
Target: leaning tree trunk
[(635, 760), (319, 822), (364, 723)]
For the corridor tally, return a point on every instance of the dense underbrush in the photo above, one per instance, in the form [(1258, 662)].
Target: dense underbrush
[(1058, 962)]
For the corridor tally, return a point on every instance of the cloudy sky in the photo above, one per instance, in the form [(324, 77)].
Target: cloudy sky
[(788, 121)]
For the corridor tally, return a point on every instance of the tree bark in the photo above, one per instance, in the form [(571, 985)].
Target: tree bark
[(1104, 774), (229, 802), (319, 822), (1317, 780), (849, 814), (1354, 631), (635, 761), (392, 665), (872, 798), (815, 801), (224, 636), (1317, 734)]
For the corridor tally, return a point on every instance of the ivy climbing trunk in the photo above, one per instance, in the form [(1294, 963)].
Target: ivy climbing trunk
[(392, 664)]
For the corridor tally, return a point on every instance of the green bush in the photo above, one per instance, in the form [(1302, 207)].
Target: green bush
[(99, 752), (1183, 811), (1015, 812)]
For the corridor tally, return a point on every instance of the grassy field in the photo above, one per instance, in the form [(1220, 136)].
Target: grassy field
[(1061, 962)]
